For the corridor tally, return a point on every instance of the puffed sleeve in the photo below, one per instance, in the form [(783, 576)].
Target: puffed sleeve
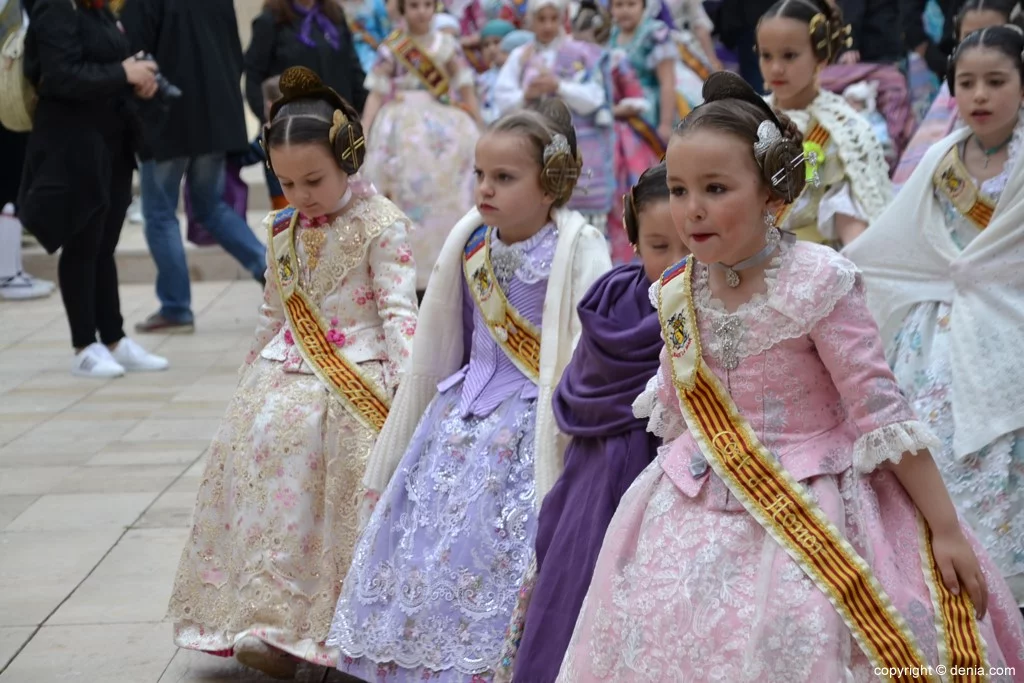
[(658, 403), (394, 280), (848, 344), (661, 45), (271, 316), (459, 72), (383, 72)]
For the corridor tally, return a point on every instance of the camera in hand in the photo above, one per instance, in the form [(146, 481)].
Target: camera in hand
[(164, 87)]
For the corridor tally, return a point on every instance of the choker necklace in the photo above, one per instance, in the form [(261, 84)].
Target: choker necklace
[(988, 152), (732, 273)]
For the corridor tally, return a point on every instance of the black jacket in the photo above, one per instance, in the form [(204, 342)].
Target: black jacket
[(86, 113), (877, 29), (276, 46), (196, 44)]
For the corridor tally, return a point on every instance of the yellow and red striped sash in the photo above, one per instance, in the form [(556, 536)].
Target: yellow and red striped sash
[(516, 336), (952, 179), (784, 509), (816, 142), (694, 63), (648, 134), (418, 61), (361, 396)]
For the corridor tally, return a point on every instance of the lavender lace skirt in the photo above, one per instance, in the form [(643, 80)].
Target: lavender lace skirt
[(437, 570)]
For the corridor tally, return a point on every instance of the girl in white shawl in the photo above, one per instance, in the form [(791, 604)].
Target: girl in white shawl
[(944, 267)]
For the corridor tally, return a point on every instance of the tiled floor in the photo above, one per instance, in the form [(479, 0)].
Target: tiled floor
[(97, 483)]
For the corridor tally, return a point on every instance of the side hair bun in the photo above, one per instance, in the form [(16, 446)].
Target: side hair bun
[(782, 163)]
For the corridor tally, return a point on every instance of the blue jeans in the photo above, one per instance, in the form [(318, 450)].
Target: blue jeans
[(161, 188)]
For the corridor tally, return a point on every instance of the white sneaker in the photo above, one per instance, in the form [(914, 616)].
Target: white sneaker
[(134, 358), (96, 361), (135, 211), (39, 282), (21, 286)]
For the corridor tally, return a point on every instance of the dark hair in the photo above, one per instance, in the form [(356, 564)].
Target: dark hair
[(1008, 40), (731, 106), (829, 35), (284, 14), (1010, 9), (438, 7), (539, 125), (651, 187), (309, 112)]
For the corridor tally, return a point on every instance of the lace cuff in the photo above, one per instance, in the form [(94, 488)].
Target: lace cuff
[(890, 442), (661, 421)]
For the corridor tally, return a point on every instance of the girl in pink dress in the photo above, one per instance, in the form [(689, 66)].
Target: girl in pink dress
[(794, 527)]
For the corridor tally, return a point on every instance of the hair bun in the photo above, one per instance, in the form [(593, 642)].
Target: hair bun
[(297, 81)]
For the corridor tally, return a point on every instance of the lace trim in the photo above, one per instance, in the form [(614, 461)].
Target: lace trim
[(530, 260), (662, 420), (858, 147), (890, 442), (804, 284), (994, 186)]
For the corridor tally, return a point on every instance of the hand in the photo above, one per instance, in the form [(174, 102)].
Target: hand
[(665, 132), (146, 92), (533, 91), (849, 57), (140, 74), (547, 82), (624, 110), (958, 566)]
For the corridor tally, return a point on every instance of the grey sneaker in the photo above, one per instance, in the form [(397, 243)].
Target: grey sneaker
[(157, 324)]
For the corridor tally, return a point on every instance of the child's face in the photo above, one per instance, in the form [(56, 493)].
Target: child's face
[(627, 14), (508, 192), (491, 50), (717, 205), (418, 15), (659, 245), (310, 177), (546, 24), (977, 19), (988, 92), (787, 59)]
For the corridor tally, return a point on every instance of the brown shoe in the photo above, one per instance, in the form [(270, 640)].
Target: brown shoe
[(157, 324)]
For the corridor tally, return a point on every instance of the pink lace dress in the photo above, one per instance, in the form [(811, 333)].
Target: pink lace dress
[(688, 586)]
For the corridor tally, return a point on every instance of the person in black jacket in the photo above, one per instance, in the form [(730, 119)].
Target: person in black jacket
[(309, 33), (876, 25), (197, 46), (936, 55), (736, 22), (76, 185)]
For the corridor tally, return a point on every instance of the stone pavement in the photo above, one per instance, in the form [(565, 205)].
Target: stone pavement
[(97, 483)]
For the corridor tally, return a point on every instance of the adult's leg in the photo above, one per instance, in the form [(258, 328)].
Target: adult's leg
[(161, 187), (750, 66), (108, 300), (76, 272), (206, 180)]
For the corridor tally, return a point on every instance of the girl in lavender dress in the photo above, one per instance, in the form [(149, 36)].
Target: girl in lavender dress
[(440, 563)]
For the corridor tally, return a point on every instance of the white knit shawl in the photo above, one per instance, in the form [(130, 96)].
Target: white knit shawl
[(581, 256), (909, 257)]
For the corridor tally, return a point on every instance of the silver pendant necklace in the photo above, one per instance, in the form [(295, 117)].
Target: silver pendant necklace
[(732, 273)]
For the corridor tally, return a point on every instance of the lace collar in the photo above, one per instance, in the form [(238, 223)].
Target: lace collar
[(528, 260), (803, 284)]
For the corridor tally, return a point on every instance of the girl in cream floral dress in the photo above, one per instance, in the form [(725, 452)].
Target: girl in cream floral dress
[(275, 521)]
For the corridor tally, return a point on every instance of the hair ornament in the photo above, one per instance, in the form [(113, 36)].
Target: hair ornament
[(792, 166), (561, 168), (337, 122), (768, 133)]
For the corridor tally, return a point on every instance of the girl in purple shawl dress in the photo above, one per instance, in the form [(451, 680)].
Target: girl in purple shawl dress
[(617, 353)]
